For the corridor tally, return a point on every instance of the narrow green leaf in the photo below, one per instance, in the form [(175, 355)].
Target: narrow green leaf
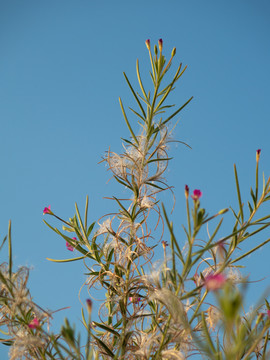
[(122, 207), (250, 208), (86, 213), (134, 94), (172, 234), (127, 122), (140, 80), (107, 328), (238, 194), (168, 89), (90, 229), (104, 346), (159, 159), (122, 182), (96, 252), (81, 224), (208, 337), (135, 112), (3, 242), (66, 260), (83, 319), (177, 111), (9, 249), (250, 251)]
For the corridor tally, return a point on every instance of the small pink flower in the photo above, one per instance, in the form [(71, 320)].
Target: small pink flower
[(147, 43), (70, 247), (134, 299), (47, 210), (164, 243), (268, 314), (258, 153), (34, 323), (197, 194), (214, 281)]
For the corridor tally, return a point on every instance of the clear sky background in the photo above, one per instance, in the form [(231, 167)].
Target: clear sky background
[(61, 65)]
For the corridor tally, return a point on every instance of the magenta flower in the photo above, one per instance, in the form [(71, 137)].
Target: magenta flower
[(164, 243), (214, 281), (197, 194), (34, 323), (268, 314), (47, 210), (70, 247), (147, 43)]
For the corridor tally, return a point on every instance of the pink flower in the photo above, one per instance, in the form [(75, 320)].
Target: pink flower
[(147, 43), (164, 243), (258, 153), (134, 299), (34, 323), (196, 195), (70, 247), (214, 281), (268, 314), (47, 210)]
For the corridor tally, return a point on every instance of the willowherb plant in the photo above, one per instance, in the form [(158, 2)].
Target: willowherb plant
[(191, 303)]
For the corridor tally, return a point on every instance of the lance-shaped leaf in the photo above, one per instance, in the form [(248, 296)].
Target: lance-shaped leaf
[(127, 122), (134, 94)]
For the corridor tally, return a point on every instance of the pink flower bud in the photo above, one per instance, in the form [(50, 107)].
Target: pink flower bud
[(89, 305), (147, 43), (258, 153), (186, 191), (160, 44)]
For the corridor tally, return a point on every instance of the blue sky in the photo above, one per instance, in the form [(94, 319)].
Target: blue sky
[(61, 73)]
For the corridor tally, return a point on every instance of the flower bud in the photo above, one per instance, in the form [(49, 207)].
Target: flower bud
[(160, 44), (258, 153), (186, 191), (147, 43), (89, 305), (223, 211), (173, 52)]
